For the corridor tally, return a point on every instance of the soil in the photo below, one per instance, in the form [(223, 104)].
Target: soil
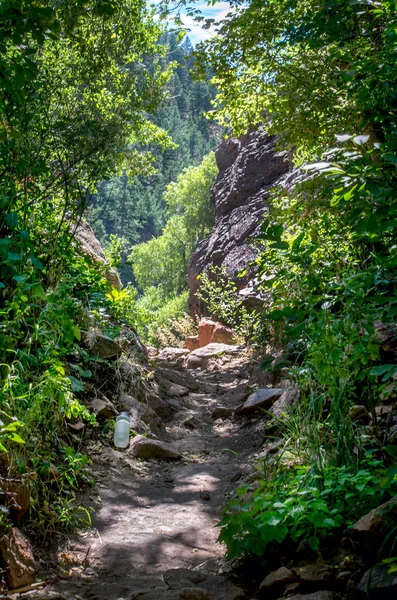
[(151, 516)]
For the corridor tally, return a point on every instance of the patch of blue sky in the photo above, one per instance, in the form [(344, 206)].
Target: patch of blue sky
[(195, 30)]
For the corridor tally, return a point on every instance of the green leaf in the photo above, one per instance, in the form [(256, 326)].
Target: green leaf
[(77, 385), (12, 219), (38, 292), (391, 449), (20, 278), (381, 369), (313, 542), (16, 438)]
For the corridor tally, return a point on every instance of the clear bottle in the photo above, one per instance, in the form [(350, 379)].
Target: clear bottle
[(122, 431)]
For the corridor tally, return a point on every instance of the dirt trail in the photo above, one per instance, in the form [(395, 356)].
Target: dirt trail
[(153, 516)]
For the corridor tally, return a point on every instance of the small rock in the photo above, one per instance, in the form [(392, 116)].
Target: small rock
[(191, 422), (370, 527), (320, 595), (102, 407), (175, 390), (314, 573), (359, 414), (219, 587), (195, 594), (77, 427), (142, 447), (378, 584), (102, 346), (17, 555), (262, 398), (275, 582), (172, 355), (205, 495), (222, 412)]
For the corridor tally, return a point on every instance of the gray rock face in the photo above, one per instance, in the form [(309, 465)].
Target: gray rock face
[(142, 447), (248, 168)]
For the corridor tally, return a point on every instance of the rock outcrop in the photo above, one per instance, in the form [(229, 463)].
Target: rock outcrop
[(248, 168), (91, 246)]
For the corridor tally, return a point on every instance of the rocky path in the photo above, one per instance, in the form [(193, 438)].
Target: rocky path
[(154, 516)]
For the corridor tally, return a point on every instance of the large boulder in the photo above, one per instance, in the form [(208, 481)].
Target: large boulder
[(212, 332), (248, 168), (202, 356)]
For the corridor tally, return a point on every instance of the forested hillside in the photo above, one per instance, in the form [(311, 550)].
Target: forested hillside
[(134, 209)]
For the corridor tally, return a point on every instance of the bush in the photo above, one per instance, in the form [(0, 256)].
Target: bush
[(301, 504)]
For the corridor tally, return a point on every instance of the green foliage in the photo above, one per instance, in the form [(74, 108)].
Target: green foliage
[(219, 296), (164, 321), (301, 504), (316, 68), (136, 208), (75, 96), (163, 261)]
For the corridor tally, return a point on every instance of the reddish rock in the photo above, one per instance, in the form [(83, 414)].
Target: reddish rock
[(206, 329), (17, 555), (192, 343), (18, 498), (211, 332)]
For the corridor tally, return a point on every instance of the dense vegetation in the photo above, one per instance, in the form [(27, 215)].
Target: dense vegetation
[(74, 98)]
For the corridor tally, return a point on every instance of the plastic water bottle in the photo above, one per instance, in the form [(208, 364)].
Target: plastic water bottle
[(122, 431)]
